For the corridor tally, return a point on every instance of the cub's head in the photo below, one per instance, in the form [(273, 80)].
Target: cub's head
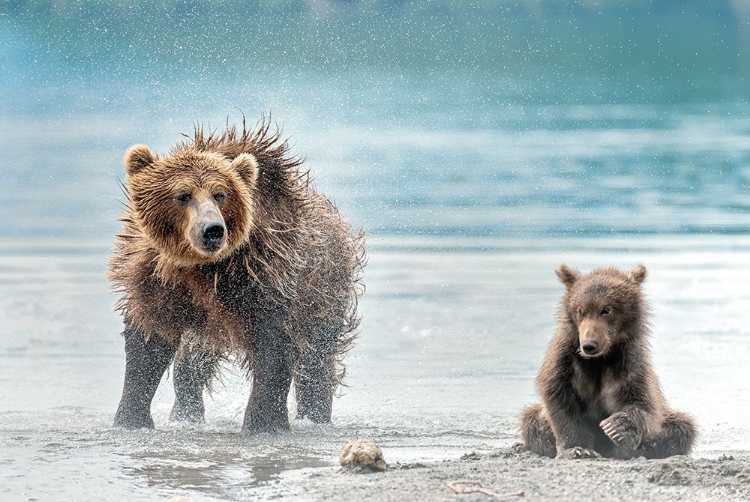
[(195, 207), (606, 306)]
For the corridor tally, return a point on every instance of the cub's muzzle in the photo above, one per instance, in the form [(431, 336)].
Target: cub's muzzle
[(589, 347), (592, 338)]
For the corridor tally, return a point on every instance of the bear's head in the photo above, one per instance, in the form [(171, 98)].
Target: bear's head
[(195, 207), (605, 306)]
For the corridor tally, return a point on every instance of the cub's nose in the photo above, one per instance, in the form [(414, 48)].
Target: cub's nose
[(589, 347), (212, 233)]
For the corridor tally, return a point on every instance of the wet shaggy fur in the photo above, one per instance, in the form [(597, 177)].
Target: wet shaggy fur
[(227, 250), (600, 395)]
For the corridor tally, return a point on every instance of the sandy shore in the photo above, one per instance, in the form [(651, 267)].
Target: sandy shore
[(509, 471)]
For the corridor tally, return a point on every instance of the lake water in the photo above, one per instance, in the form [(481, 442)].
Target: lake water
[(478, 149)]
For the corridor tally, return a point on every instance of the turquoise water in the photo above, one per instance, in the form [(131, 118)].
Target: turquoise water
[(478, 147), (418, 120)]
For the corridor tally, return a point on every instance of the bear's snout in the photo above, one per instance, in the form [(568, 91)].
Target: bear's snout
[(207, 232), (212, 233), (589, 347), (592, 338)]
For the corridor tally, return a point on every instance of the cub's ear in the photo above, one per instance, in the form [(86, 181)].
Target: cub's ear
[(637, 274), (567, 275), (138, 158), (247, 167)]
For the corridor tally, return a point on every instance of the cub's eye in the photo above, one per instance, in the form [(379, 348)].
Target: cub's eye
[(183, 198), (220, 197), (606, 311), (579, 312)]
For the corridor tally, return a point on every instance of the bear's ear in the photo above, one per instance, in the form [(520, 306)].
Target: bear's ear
[(138, 158), (247, 167), (637, 274), (567, 275)]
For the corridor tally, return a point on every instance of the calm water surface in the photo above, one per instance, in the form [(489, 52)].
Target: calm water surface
[(477, 150)]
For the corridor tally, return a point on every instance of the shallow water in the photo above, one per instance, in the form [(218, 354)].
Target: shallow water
[(453, 334), (477, 151)]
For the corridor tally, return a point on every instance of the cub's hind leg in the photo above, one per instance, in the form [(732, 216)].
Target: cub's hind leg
[(677, 437)]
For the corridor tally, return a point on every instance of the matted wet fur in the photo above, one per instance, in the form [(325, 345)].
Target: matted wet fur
[(600, 395), (227, 249)]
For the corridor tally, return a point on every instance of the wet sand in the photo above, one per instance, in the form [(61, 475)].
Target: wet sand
[(509, 471)]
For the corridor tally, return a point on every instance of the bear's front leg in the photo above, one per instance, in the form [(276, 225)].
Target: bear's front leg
[(145, 363), (272, 377), (625, 428), (573, 438)]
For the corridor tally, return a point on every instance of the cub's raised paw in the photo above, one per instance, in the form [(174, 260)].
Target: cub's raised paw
[(577, 452), (622, 431)]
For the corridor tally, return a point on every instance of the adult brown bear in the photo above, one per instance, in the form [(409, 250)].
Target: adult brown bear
[(600, 395), (227, 249)]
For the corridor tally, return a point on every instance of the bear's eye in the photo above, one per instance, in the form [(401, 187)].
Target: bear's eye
[(606, 311), (220, 197), (183, 198)]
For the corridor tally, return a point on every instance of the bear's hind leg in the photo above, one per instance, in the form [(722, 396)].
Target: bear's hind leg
[(193, 368), (145, 363), (677, 437), (315, 383), (536, 432)]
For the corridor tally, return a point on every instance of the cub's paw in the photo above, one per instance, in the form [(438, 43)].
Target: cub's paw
[(622, 431), (577, 452)]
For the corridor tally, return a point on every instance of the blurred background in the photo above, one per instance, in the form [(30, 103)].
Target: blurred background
[(479, 144), (488, 118)]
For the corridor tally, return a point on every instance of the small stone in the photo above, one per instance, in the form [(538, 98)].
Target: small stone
[(363, 456)]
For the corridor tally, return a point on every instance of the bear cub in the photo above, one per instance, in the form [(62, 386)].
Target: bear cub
[(228, 251), (600, 395)]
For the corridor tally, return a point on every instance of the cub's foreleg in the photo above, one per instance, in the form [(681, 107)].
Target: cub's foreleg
[(536, 432), (626, 428)]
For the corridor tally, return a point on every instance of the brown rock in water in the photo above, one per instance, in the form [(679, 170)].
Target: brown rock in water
[(362, 455)]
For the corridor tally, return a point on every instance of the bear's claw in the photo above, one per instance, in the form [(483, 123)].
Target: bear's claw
[(577, 452), (622, 431)]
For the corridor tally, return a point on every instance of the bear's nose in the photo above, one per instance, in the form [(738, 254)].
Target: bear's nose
[(212, 233), (589, 346)]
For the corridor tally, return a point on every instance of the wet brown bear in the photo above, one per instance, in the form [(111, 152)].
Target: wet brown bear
[(600, 395), (228, 250)]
